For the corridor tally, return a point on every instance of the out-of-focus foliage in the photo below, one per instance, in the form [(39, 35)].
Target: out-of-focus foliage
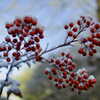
[(3, 99), (98, 10)]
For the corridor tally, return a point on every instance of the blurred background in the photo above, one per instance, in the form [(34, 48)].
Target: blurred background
[(52, 14)]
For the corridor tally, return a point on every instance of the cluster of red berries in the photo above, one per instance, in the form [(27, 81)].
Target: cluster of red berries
[(63, 74), (63, 67), (83, 81), (24, 35), (89, 35), (73, 29), (91, 41)]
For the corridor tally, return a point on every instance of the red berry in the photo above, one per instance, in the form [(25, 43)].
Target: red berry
[(17, 58), (36, 39), (41, 31), (8, 59), (56, 79), (74, 36), (50, 77), (38, 58), (41, 36), (94, 50), (70, 33), (90, 39), (26, 29), (28, 19), (52, 60), (81, 50), (64, 85), (90, 53), (62, 54), (54, 70), (62, 69), (98, 35), (91, 45), (60, 80), (8, 25), (57, 62), (7, 39), (2, 48), (92, 30), (14, 54), (15, 40), (86, 76), (9, 47), (21, 38), (84, 40), (71, 25), (34, 22), (38, 46), (72, 74), (66, 61), (97, 26), (46, 72), (88, 23), (66, 27), (5, 54), (75, 29), (33, 48), (93, 81), (17, 22), (79, 22), (96, 42), (28, 49)]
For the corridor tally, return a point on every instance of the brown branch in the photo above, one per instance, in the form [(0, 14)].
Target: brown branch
[(6, 79), (59, 46), (32, 57)]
